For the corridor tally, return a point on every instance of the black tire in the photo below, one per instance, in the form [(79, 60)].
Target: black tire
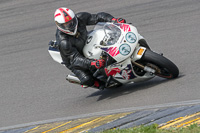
[(167, 69)]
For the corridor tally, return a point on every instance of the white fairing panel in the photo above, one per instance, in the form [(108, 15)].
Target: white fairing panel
[(55, 54), (94, 38)]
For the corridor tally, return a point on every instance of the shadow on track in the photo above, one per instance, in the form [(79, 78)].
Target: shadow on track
[(129, 88)]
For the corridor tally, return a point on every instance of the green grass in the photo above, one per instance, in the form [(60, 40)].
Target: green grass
[(154, 129)]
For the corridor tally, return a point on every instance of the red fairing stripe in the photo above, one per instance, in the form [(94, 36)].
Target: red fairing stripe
[(125, 27), (112, 72)]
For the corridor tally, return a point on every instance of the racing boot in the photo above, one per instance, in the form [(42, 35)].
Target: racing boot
[(99, 84)]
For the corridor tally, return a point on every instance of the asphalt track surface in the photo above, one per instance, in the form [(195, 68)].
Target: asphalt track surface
[(33, 86)]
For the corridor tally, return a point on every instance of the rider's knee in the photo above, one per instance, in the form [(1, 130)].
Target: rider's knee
[(87, 80)]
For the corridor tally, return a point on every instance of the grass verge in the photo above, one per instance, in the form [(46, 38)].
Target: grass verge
[(154, 129)]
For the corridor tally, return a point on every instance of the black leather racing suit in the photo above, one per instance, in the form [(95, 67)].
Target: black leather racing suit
[(71, 46)]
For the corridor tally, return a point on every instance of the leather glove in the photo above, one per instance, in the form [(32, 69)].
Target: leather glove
[(98, 63), (118, 20)]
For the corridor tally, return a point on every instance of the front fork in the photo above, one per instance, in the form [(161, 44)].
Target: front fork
[(137, 56), (145, 68)]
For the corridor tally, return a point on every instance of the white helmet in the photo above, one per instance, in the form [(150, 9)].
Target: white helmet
[(66, 21)]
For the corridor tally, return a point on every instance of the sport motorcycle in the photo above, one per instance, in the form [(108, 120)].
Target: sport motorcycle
[(127, 58)]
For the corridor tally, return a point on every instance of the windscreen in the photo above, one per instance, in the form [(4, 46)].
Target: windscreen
[(112, 33)]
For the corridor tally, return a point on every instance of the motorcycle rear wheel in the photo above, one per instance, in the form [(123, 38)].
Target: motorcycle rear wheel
[(163, 66)]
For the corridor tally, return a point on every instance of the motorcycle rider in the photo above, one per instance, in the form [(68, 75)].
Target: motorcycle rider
[(71, 35)]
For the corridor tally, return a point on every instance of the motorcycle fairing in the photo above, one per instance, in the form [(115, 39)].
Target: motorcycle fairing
[(127, 73), (55, 54), (121, 71), (112, 51), (125, 27), (126, 43)]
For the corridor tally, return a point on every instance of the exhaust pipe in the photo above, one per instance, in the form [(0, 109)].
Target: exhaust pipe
[(73, 79)]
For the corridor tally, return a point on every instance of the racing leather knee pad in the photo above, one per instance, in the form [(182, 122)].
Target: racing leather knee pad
[(87, 80)]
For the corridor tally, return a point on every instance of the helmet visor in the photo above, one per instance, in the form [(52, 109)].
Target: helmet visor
[(70, 25)]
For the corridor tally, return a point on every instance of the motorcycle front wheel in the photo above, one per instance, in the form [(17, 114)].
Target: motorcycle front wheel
[(163, 66)]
